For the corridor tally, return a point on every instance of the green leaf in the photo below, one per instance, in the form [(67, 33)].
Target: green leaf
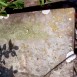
[(3, 3), (19, 4), (4, 0), (11, 5), (16, 4), (0, 7), (41, 2)]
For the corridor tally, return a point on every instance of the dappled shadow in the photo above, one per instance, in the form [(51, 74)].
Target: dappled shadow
[(4, 51), (5, 72)]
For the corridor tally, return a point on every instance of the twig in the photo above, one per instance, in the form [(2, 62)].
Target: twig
[(58, 65)]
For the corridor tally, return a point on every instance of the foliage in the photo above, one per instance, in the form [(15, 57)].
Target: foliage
[(15, 4), (42, 2)]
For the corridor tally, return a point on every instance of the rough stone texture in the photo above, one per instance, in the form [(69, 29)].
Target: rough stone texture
[(43, 41), (65, 70)]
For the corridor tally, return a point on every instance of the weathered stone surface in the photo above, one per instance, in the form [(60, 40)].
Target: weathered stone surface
[(43, 40), (64, 70)]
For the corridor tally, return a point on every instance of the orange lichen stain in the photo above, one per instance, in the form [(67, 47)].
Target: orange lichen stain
[(23, 46), (54, 28)]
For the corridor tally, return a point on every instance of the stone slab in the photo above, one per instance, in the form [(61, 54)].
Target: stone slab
[(43, 41)]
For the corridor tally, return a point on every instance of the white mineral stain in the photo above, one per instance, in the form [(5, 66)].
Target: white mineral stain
[(1, 17), (6, 17), (45, 11), (70, 58)]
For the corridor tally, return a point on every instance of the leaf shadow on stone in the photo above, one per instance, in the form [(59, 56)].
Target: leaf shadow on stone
[(4, 51)]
